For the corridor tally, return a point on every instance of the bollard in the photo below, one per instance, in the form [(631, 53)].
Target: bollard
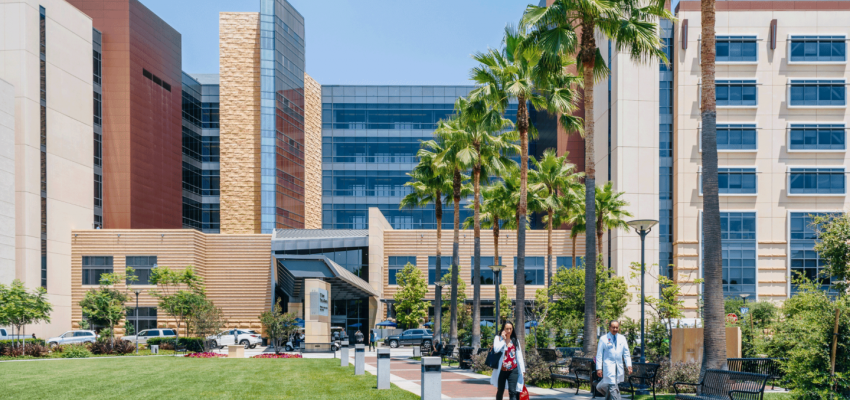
[(417, 351), (431, 382), (359, 359), (343, 354), (383, 368)]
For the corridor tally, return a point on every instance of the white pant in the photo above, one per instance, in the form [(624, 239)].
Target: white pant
[(603, 387)]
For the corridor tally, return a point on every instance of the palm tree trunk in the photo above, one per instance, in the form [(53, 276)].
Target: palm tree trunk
[(588, 49), (599, 233), (438, 290), (476, 272), (497, 261), (455, 257), (549, 274), (522, 127), (714, 354)]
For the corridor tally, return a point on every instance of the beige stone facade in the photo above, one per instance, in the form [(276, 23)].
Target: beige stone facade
[(772, 116), (7, 182), (239, 47), (312, 153), (69, 142)]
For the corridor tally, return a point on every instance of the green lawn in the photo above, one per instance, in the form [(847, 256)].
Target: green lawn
[(186, 378)]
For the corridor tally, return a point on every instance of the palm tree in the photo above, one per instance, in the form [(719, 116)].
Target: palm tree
[(714, 352), (429, 184), (479, 131), (552, 176), (630, 26), (577, 223), (515, 72), (610, 211)]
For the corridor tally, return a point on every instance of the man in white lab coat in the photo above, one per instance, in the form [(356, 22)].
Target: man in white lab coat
[(612, 361)]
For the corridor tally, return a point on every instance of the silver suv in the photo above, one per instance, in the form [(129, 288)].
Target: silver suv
[(146, 334), (73, 337)]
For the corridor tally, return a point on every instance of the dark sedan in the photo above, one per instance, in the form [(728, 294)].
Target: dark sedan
[(411, 337)]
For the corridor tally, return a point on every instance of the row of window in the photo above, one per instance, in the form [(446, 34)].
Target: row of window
[(535, 268), (95, 266), (810, 137), (802, 92), (803, 48), (800, 181)]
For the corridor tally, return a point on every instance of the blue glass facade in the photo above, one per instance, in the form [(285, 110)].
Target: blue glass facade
[(281, 116), (805, 260), (200, 152), (665, 156)]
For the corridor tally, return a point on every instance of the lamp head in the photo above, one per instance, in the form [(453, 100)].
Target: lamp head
[(497, 268), (744, 295), (137, 291), (642, 224)]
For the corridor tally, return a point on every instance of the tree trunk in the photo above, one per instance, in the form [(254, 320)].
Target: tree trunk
[(574, 250), (455, 257), (497, 261), (714, 353), (476, 272), (438, 274), (588, 49), (599, 233), (522, 127), (549, 274)]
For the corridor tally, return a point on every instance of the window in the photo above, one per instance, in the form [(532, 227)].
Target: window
[(487, 275), (145, 320), (817, 137), (94, 266), (665, 97), (567, 262), (143, 266), (168, 332), (738, 240), (818, 49), (98, 109), (736, 93), (817, 181), (396, 264), (813, 92), (736, 48), (736, 137), (737, 181), (445, 266), (535, 270)]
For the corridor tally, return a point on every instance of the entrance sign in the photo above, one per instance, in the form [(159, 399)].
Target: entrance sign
[(319, 302)]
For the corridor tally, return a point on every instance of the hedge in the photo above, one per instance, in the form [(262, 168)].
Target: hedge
[(10, 343), (192, 343)]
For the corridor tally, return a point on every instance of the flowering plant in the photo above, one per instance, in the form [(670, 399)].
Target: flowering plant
[(278, 356), (205, 355)]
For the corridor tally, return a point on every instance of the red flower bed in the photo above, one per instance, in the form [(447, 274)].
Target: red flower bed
[(205, 355), (277, 356)]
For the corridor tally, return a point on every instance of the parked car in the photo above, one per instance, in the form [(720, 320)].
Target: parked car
[(247, 338), (146, 334), (7, 335), (73, 337), (413, 337)]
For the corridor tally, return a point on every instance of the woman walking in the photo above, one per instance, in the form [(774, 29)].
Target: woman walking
[(372, 346), (512, 368)]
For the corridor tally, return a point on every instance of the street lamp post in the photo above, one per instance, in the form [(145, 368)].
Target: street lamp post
[(136, 328), (438, 306), (642, 227), (497, 272)]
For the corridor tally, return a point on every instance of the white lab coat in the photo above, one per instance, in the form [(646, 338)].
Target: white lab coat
[(610, 358), (501, 345)]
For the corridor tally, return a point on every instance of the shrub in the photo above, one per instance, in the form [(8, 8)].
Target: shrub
[(36, 350), (10, 343), (536, 370), (123, 347), (101, 347), (192, 344), (678, 372), (106, 347), (76, 351), (479, 363), (205, 355)]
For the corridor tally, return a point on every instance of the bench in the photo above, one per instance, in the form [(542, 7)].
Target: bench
[(642, 378), (579, 370), (180, 348), (550, 356), (464, 357), (446, 353), (766, 366), (725, 385)]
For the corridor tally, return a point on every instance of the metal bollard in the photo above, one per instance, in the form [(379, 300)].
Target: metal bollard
[(417, 351), (359, 359), (343, 354), (383, 368), (431, 382)]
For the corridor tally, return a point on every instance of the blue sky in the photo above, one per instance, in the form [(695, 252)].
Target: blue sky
[(361, 42)]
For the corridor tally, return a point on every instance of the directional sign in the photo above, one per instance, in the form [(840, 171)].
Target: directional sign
[(731, 318), (745, 310)]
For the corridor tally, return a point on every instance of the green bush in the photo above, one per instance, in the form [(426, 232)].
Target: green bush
[(678, 372), (192, 343), (4, 344), (76, 351)]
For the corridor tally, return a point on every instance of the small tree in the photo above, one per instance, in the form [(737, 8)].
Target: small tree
[(506, 306), (105, 305), (19, 307), (278, 325), (411, 310), (464, 314), (178, 302), (206, 321), (834, 248), (568, 287)]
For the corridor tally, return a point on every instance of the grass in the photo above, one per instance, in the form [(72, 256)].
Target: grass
[(158, 378), (54, 354)]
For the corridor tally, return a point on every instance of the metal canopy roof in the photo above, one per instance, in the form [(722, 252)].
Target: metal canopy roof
[(308, 239), (293, 269)]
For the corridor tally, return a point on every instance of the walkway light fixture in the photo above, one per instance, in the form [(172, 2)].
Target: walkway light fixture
[(642, 227)]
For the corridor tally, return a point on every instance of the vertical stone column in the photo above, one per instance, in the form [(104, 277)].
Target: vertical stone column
[(7, 182), (359, 359), (383, 368), (343, 353), (312, 153)]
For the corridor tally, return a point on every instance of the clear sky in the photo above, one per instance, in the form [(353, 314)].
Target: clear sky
[(361, 42)]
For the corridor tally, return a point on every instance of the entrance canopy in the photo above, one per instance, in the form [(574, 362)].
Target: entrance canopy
[(293, 269)]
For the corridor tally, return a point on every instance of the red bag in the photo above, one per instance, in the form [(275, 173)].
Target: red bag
[(524, 394)]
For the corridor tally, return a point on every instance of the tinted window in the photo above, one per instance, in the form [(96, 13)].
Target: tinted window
[(818, 48), (736, 137), (736, 92), (736, 48), (168, 332), (817, 137), (821, 92)]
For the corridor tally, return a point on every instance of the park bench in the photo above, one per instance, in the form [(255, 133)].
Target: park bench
[(446, 353), (643, 377), (463, 358), (579, 370), (550, 356), (725, 385), (180, 348), (766, 366)]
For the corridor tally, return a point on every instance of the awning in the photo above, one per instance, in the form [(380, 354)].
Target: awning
[(293, 269)]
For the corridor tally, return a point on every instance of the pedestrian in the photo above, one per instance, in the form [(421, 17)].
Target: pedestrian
[(437, 349), (358, 337), (613, 360), (510, 374), (372, 345)]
